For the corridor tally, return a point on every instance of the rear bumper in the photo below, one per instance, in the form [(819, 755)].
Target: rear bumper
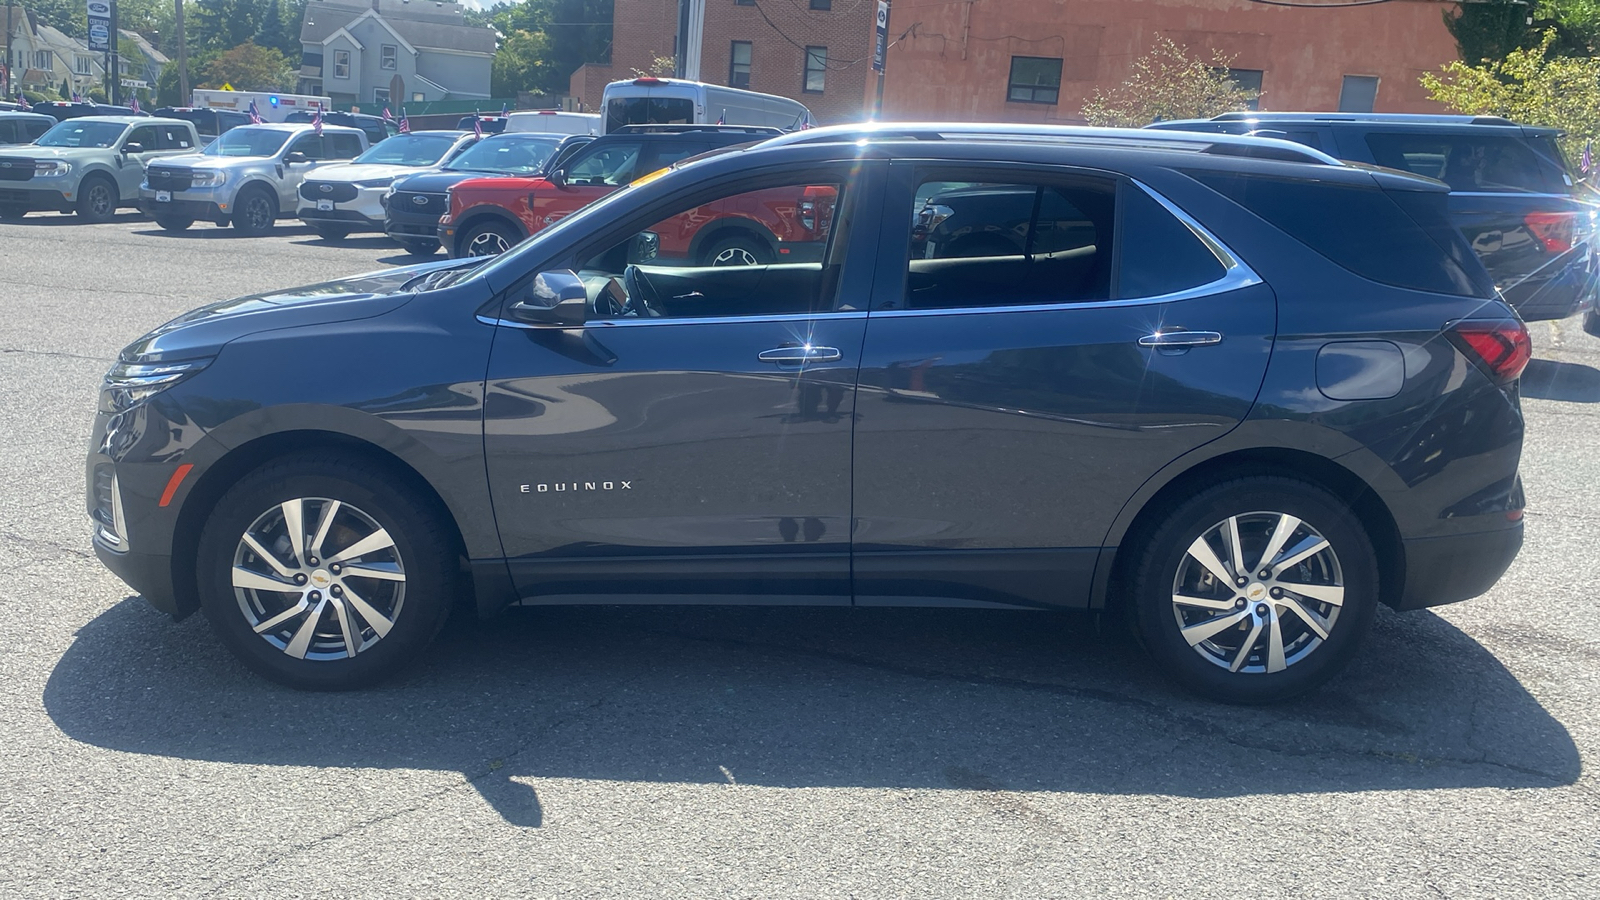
[(1456, 567)]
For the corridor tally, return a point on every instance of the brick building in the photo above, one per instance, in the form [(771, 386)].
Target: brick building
[(762, 45)]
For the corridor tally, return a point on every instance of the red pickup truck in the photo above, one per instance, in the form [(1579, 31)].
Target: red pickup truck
[(490, 215)]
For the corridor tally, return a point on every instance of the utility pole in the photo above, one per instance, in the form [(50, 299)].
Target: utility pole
[(115, 94), (10, 27), (183, 55)]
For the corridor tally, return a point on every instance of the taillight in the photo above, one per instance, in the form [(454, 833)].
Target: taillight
[(1552, 229), (1502, 345)]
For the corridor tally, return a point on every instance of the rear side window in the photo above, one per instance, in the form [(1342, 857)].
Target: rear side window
[(1490, 163), (1160, 255), (1359, 228), (175, 137), (344, 146)]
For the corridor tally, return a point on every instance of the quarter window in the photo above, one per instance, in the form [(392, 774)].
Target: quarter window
[(1034, 79), (390, 53), (739, 64), (816, 69), (341, 63)]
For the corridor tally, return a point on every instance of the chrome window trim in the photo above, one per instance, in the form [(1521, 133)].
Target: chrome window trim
[(696, 320)]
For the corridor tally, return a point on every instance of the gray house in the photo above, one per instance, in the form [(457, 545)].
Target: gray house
[(374, 53)]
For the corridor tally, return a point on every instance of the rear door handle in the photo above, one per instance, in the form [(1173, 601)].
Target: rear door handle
[(803, 354), (1169, 339)]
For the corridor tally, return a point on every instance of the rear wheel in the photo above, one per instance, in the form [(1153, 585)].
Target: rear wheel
[(741, 250), (173, 223), (1255, 590), (254, 212), (97, 199), (322, 573), (420, 248), (489, 238)]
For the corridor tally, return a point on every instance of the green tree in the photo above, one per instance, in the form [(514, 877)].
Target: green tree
[(1487, 30), (1532, 86), (223, 24), (1168, 83), (562, 35), (520, 64), (249, 68)]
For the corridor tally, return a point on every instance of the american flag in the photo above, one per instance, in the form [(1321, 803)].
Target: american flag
[(1586, 162), (387, 116), (22, 101), (477, 126), (505, 109), (723, 119), (77, 97), (405, 123), (255, 114), (134, 105), (316, 120)]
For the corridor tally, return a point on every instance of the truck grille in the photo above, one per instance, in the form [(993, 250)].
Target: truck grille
[(420, 204), (169, 179), (337, 191), (15, 168)]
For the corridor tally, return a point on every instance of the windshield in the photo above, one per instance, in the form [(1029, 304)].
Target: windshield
[(78, 133), (622, 111), (409, 150), (247, 141), (506, 156)]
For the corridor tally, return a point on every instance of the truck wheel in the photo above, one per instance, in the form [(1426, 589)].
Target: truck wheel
[(488, 239), (173, 223), (420, 248), (97, 199), (740, 250), (254, 212)]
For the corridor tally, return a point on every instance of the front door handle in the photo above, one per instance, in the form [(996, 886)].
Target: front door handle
[(799, 354), (1173, 339)]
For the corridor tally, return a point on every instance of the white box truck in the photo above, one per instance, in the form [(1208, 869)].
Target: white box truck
[(272, 105)]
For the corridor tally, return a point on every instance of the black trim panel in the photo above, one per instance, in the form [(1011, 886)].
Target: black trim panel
[(790, 579), (1017, 578)]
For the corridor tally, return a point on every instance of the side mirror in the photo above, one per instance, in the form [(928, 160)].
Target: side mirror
[(559, 179), (295, 156), (133, 147), (554, 299), (644, 247)]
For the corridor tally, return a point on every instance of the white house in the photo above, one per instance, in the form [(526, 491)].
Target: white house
[(391, 51)]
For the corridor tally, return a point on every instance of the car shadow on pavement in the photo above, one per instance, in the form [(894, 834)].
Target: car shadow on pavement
[(1546, 379), (907, 699), (367, 242), (48, 219), (207, 230), (407, 259)]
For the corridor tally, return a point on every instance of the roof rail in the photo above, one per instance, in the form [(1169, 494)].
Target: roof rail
[(1076, 135), (1412, 118), (684, 129)]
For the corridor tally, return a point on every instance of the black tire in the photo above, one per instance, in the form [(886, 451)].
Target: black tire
[(97, 199), (12, 213), (255, 211), (1155, 578), (738, 250), (173, 223), (419, 248), (1591, 320), (487, 238), (423, 548), (331, 232)]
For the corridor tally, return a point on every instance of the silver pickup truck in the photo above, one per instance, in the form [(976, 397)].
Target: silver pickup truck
[(246, 177)]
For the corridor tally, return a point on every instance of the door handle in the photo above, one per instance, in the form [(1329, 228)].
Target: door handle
[(1172, 339), (803, 354)]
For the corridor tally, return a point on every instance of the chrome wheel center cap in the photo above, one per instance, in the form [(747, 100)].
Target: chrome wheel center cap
[(1255, 592), (321, 579)]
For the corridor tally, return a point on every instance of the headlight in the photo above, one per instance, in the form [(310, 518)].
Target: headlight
[(51, 168), (129, 384), (375, 182), (205, 178)]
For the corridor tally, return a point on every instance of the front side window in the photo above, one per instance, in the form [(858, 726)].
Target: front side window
[(341, 63), (172, 137), (389, 54), (707, 259), (987, 243), (146, 136), (609, 166), (739, 64), (816, 69), (1034, 79), (309, 144), (75, 133)]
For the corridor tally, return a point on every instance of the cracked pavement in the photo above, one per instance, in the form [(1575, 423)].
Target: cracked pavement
[(684, 752)]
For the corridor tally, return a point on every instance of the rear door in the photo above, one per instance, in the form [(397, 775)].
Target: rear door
[(1051, 339)]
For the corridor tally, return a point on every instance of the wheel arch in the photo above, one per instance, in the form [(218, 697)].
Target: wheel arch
[(1139, 519), (477, 215), (730, 226), (257, 183)]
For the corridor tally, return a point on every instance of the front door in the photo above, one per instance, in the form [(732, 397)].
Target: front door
[(1053, 340), (691, 443)]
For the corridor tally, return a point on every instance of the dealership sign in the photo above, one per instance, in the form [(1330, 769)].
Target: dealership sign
[(99, 24), (880, 42)]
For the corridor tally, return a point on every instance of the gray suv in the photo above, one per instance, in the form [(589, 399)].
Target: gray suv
[(246, 177), (90, 165)]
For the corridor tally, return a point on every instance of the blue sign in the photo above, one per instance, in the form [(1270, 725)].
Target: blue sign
[(880, 44)]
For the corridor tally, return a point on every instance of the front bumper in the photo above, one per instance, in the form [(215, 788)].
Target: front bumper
[(39, 195), (1456, 567), (411, 227), (214, 205), (364, 213)]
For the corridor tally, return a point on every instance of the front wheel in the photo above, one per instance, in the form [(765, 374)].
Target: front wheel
[(742, 250), (1255, 590), (488, 239), (254, 212), (322, 573), (97, 200)]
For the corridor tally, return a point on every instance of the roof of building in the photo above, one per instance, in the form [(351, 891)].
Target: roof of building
[(434, 26)]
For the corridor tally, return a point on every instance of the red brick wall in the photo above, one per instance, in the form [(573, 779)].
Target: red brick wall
[(951, 60)]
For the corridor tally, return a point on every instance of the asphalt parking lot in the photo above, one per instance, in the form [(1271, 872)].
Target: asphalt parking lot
[(750, 753)]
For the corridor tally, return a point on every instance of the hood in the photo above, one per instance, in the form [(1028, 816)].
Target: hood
[(362, 172), (434, 182), (515, 184), (37, 152), (196, 161), (203, 332)]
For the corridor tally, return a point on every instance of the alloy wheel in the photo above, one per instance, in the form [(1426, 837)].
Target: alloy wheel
[(735, 256), (318, 579), (487, 243), (100, 200), (258, 213), (1258, 592)]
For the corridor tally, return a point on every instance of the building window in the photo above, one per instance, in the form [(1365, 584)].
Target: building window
[(416, 96), (380, 95), (739, 65), (1359, 93), (822, 4), (744, 2), (389, 55), (84, 65), (341, 63), (1034, 79), (816, 69), (41, 60), (1248, 80)]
